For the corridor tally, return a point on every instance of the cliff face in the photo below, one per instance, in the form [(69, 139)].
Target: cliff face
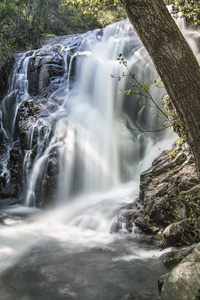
[(5, 70), (27, 118)]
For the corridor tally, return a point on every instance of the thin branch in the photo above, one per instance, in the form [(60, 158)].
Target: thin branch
[(148, 94), (130, 127)]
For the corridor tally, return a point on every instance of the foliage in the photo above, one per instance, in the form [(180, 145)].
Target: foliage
[(143, 91), (147, 217), (189, 9), (25, 23), (104, 11)]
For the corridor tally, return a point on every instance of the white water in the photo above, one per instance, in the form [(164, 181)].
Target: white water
[(97, 149), (18, 92)]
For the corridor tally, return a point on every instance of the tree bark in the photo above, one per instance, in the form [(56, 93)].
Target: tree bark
[(174, 60)]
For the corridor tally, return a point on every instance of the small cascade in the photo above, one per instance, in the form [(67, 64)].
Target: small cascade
[(17, 93)]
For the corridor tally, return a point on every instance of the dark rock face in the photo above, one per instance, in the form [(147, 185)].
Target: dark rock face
[(47, 182), (35, 128), (34, 123), (4, 75), (48, 70), (173, 258), (45, 70), (35, 105), (33, 119), (177, 234), (12, 188), (6, 190)]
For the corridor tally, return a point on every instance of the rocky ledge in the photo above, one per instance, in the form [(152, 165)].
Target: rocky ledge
[(168, 212), (168, 208)]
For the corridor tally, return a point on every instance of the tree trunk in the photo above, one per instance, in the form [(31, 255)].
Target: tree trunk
[(174, 61)]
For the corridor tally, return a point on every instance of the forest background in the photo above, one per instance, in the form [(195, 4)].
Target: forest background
[(26, 24)]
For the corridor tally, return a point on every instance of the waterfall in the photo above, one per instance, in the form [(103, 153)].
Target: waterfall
[(84, 145), (95, 150), (88, 139)]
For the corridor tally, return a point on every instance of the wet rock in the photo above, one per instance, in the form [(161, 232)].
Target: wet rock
[(50, 192), (45, 68), (9, 201), (183, 282), (34, 123), (5, 70), (173, 258), (9, 190), (125, 218), (11, 181), (16, 168), (53, 167), (131, 297), (47, 182), (180, 233), (118, 223), (142, 224)]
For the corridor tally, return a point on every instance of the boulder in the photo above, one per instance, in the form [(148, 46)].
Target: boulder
[(183, 282), (177, 234), (172, 258)]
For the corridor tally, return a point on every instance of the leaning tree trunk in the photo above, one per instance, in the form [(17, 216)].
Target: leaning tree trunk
[(174, 61)]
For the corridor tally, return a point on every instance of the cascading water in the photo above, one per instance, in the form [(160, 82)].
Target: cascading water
[(95, 162), (96, 151), (18, 92)]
